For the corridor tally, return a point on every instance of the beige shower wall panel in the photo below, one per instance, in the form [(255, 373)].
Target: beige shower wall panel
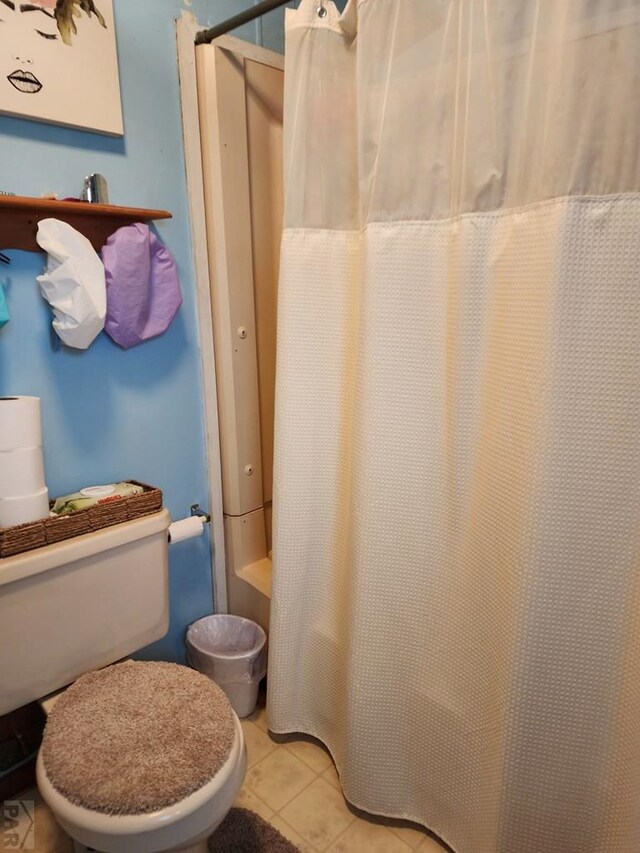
[(221, 89), (249, 581), (240, 104), (264, 136)]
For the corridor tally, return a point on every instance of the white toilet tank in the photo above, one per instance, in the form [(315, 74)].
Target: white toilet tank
[(81, 604)]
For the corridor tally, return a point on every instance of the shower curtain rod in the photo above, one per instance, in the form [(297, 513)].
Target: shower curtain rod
[(207, 36)]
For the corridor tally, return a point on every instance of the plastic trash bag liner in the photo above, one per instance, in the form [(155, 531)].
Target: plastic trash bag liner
[(227, 648), (4, 309), (143, 290), (73, 283)]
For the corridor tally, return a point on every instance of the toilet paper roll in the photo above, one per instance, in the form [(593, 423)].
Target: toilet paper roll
[(20, 510), (20, 422), (21, 472), (186, 528)]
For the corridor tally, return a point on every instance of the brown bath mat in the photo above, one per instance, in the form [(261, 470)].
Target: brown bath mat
[(243, 831)]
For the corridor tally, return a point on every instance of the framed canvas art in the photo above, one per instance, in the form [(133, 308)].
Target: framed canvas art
[(59, 63)]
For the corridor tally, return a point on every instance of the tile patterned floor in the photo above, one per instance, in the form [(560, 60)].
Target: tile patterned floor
[(295, 787)]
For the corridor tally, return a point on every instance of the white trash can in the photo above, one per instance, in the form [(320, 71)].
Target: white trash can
[(231, 651)]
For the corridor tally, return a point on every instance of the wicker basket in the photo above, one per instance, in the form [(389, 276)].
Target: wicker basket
[(47, 531)]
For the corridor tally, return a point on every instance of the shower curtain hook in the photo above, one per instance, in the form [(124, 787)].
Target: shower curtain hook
[(321, 11)]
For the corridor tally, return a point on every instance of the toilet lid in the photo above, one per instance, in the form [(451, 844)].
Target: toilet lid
[(137, 736)]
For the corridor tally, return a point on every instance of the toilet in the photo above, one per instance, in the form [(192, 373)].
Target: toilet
[(85, 604)]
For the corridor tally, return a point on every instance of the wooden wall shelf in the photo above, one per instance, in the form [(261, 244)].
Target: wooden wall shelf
[(19, 217)]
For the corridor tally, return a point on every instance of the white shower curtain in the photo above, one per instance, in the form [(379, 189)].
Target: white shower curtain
[(456, 604)]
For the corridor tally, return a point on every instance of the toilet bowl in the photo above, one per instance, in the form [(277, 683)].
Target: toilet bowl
[(123, 774), (183, 826)]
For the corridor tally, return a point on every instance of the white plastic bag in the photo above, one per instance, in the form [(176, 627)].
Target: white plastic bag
[(73, 283), (227, 648), (231, 651)]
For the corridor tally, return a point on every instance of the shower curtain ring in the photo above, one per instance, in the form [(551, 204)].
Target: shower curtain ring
[(321, 11)]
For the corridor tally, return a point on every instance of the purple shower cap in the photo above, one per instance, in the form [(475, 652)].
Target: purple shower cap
[(143, 290)]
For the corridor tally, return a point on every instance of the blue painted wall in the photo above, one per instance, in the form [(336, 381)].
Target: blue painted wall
[(110, 414)]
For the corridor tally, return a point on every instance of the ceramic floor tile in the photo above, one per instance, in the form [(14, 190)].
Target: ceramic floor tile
[(259, 744), (259, 718), (331, 775), (289, 832), (246, 799), (413, 837), (43, 835), (18, 824), (49, 836), (319, 814), (364, 837), (277, 778), (312, 754), (430, 845)]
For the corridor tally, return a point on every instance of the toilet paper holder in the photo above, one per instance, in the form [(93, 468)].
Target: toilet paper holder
[(190, 527), (195, 510)]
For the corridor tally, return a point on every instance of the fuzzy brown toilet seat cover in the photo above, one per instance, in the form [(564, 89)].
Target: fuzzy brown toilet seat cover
[(136, 737)]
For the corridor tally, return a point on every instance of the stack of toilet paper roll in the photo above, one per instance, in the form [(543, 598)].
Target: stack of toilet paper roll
[(23, 492)]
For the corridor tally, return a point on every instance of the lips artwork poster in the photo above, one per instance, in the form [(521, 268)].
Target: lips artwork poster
[(59, 63)]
